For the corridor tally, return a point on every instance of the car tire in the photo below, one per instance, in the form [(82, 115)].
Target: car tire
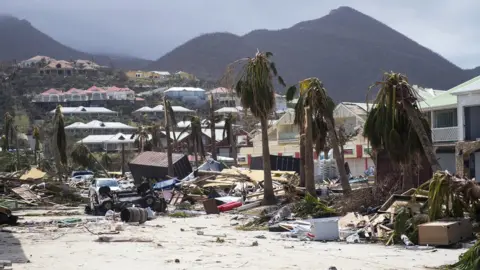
[(107, 205), (148, 201)]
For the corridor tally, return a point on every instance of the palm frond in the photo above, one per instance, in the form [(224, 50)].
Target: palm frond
[(290, 94)]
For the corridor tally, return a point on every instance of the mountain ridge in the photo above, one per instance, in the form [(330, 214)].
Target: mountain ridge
[(21, 41), (346, 49)]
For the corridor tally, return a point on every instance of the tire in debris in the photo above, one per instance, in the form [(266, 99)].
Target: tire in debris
[(133, 214), (149, 201), (107, 205)]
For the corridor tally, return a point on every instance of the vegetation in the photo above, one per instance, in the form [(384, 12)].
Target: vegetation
[(8, 129), (36, 137), (315, 107), (257, 94), (229, 133), (142, 138), (212, 122), (195, 137), (169, 118), (312, 207), (396, 125), (60, 142)]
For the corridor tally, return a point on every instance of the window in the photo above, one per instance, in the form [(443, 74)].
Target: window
[(445, 118), (348, 151), (138, 75)]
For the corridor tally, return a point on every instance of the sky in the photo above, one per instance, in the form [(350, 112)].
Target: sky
[(151, 28)]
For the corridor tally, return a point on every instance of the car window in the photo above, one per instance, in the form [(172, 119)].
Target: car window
[(109, 182), (93, 183)]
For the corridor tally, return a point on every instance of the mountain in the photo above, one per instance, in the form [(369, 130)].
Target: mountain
[(20, 41), (346, 49)]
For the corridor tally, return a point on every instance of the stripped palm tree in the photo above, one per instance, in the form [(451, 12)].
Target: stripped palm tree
[(142, 138), (60, 141), (228, 132), (169, 118), (8, 129), (255, 88), (154, 131), (314, 97), (396, 124), (211, 124), (196, 136), (36, 137)]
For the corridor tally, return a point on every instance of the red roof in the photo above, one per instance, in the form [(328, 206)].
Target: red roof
[(52, 91), (75, 91), (139, 99), (113, 89), (95, 89)]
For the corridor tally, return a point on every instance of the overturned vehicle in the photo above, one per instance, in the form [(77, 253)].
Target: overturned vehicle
[(106, 194)]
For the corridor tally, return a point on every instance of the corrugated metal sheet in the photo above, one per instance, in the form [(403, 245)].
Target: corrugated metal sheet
[(154, 165), (156, 159)]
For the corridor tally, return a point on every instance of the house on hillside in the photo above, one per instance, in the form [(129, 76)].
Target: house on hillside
[(93, 96), (110, 143), (454, 127), (190, 96), (90, 112), (36, 62), (96, 127), (157, 112), (224, 97), (140, 74), (186, 76), (68, 68)]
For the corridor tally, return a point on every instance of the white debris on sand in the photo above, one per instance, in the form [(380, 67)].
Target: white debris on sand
[(175, 244)]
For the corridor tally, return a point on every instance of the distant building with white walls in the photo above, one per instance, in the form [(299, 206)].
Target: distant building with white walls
[(191, 96), (96, 127), (85, 111)]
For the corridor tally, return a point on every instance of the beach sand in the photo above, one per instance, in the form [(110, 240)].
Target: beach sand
[(49, 248)]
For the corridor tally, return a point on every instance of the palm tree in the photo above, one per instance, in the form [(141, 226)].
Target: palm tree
[(212, 127), (167, 110), (36, 137), (255, 89), (154, 131), (196, 135), (60, 141), (228, 132), (142, 138), (8, 129), (396, 124), (314, 97)]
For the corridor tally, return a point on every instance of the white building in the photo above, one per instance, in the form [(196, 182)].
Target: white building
[(224, 97), (85, 111), (188, 95), (453, 117), (110, 142), (96, 127)]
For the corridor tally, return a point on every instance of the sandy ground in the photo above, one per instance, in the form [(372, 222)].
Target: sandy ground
[(50, 247)]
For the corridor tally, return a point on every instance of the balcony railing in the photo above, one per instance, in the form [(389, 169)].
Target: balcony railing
[(446, 134)]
